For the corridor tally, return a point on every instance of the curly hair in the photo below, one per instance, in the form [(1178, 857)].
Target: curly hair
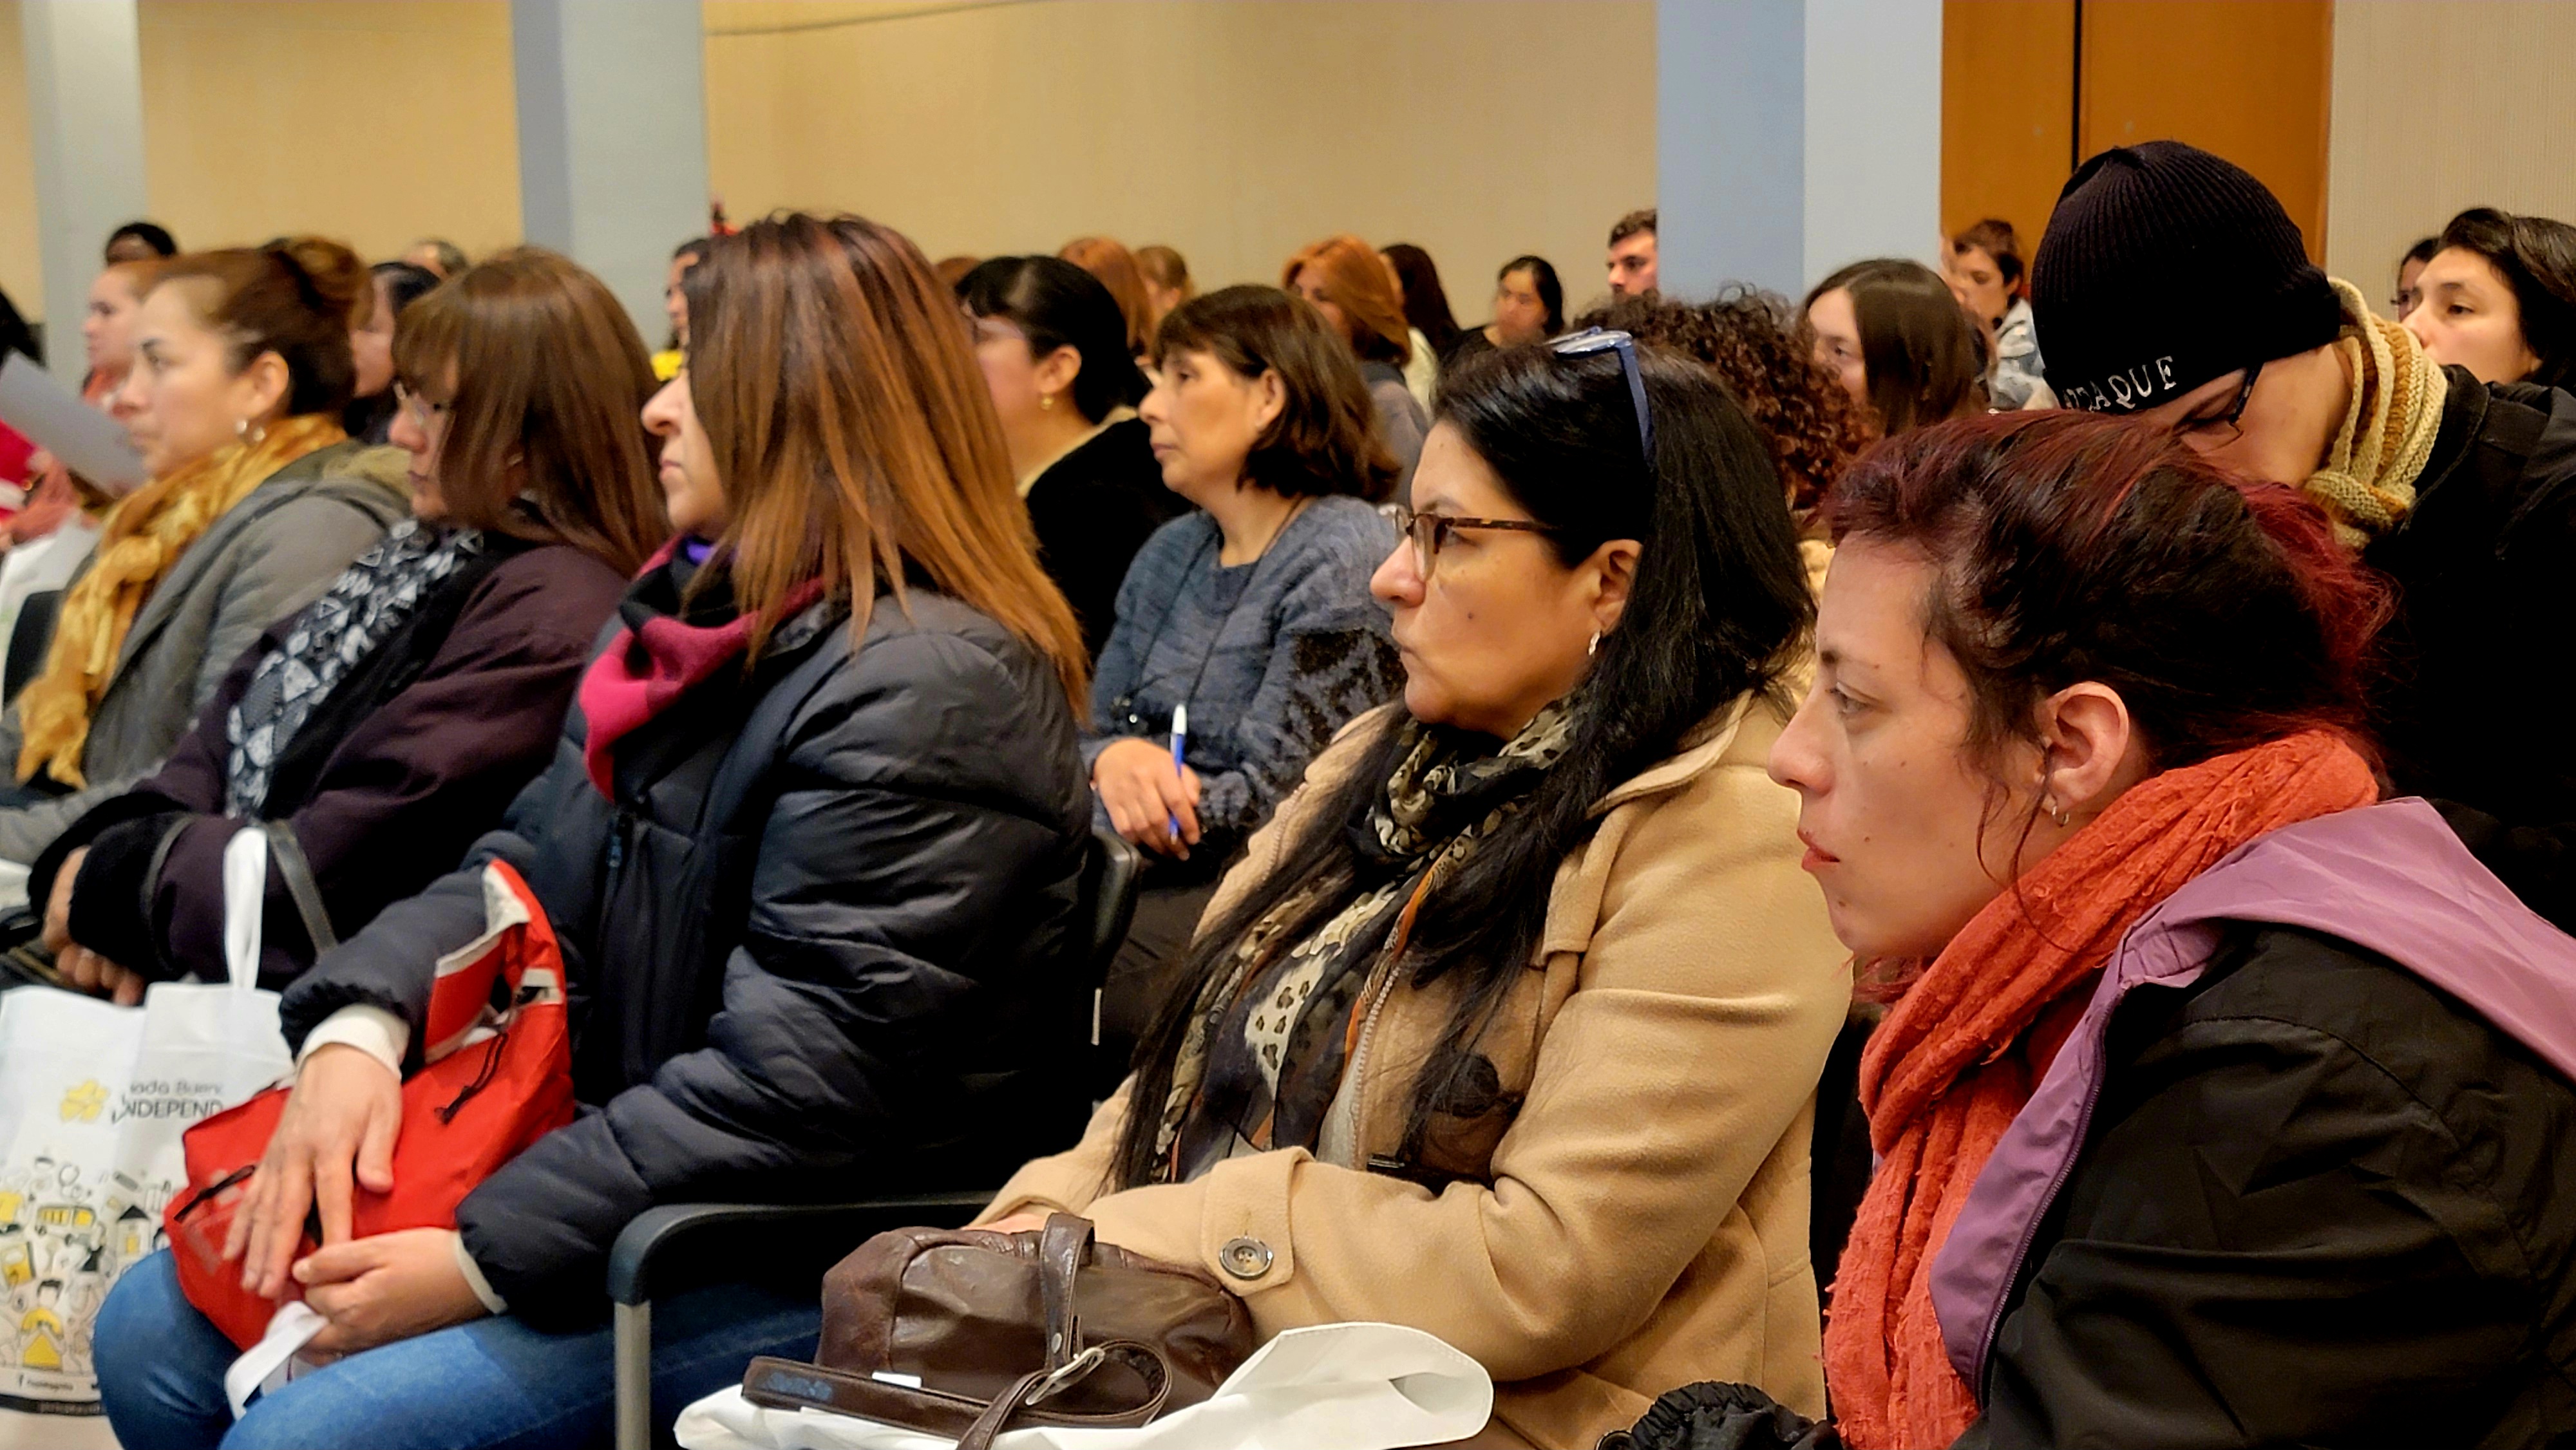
[(1748, 338)]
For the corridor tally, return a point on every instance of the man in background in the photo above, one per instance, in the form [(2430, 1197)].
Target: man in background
[(1632, 255)]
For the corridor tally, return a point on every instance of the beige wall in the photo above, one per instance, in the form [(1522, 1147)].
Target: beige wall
[(1235, 132), (376, 121), (20, 273), (2442, 107), (370, 121)]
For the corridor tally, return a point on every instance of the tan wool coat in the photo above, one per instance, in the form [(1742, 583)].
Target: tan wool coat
[(1631, 1213)]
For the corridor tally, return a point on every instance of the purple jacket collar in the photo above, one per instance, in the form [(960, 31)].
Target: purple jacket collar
[(2389, 878)]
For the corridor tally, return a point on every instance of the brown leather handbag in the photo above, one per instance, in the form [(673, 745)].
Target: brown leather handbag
[(968, 1333)]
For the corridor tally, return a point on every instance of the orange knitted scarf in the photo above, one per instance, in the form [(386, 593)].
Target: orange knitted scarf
[(1956, 1060)]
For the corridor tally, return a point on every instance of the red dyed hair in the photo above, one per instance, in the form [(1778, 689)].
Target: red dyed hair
[(1358, 281), (2071, 547)]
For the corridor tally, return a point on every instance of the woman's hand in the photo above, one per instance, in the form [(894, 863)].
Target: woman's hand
[(1145, 795), (386, 1287), (345, 1110), (82, 968)]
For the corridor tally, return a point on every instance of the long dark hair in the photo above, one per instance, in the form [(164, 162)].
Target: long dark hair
[(1426, 302), (1918, 346), (2536, 256), (1718, 611), (1056, 304)]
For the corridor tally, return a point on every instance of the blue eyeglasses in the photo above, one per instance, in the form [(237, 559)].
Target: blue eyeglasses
[(1593, 341)]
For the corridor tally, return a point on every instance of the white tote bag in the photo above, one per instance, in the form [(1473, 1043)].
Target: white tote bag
[(1342, 1386), (93, 1098)]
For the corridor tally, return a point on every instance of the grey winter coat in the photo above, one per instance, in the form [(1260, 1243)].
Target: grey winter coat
[(269, 556)]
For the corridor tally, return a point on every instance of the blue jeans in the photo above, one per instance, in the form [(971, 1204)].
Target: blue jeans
[(491, 1383)]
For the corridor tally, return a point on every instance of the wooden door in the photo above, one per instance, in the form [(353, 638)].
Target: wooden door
[(2248, 79)]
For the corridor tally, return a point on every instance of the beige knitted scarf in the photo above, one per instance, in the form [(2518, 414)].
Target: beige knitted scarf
[(2367, 485)]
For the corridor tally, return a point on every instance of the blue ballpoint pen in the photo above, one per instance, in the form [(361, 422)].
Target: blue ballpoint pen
[(1180, 752)]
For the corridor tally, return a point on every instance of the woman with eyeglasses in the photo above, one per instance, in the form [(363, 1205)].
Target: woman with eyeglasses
[(387, 724), (1507, 1027), (1249, 623), (810, 840)]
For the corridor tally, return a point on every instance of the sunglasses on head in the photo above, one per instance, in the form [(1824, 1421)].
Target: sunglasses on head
[(1593, 341)]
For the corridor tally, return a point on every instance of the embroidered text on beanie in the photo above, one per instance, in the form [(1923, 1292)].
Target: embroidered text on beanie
[(2164, 267)]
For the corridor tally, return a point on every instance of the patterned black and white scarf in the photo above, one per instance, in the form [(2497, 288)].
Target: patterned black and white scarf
[(335, 634), (1268, 1040)]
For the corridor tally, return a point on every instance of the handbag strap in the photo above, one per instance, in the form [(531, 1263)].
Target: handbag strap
[(295, 870), (1064, 1246), (786, 1384)]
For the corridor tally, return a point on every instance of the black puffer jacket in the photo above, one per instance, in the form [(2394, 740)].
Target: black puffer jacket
[(816, 946), (2377, 1253), (2484, 640)]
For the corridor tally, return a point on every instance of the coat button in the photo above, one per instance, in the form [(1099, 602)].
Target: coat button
[(1245, 1258)]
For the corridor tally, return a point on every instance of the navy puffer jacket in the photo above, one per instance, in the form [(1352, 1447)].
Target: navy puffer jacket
[(819, 946)]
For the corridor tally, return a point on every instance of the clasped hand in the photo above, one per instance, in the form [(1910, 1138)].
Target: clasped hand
[(1145, 796), (81, 967), (335, 1136)]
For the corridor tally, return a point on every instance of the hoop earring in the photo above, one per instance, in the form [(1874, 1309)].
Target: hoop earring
[(2062, 818)]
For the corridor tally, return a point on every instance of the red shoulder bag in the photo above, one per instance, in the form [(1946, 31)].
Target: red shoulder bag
[(496, 1079)]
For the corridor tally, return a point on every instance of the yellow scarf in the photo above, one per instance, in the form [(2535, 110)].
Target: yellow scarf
[(2368, 483), (143, 537)]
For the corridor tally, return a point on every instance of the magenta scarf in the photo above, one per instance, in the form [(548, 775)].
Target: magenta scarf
[(653, 663)]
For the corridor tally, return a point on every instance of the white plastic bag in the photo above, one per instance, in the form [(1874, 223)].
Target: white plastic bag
[(1347, 1386), (93, 1099)]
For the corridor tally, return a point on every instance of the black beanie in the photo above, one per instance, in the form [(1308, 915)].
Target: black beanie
[(2164, 267)]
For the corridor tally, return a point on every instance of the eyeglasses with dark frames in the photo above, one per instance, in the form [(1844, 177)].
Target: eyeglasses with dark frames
[(2224, 428), (1427, 532), (1593, 341)]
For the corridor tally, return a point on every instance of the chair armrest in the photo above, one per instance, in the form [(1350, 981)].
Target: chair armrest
[(647, 1239)]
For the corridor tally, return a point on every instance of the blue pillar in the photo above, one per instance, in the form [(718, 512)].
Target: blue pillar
[(1794, 136), (613, 137)]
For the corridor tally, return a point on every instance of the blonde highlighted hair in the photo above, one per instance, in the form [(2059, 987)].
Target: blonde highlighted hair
[(854, 435)]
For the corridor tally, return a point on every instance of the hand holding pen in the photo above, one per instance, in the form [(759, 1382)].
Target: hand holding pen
[(1149, 791)]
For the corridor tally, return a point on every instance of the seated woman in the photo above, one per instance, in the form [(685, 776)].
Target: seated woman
[(1254, 615), (390, 723), (811, 844), (1529, 306), (1555, 995), (2222, 1105), (257, 501), (371, 412), (1054, 351), (1901, 345), (1355, 290)]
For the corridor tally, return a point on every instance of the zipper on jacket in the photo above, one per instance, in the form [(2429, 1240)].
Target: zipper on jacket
[(617, 834), (1352, 1076)]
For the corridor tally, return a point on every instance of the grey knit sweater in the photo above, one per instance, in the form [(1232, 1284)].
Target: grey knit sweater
[(1271, 657)]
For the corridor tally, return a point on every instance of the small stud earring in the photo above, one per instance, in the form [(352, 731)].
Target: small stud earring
[(1046, 400)]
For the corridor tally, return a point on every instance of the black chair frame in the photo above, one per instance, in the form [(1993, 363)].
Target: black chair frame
[(645, 1254)]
